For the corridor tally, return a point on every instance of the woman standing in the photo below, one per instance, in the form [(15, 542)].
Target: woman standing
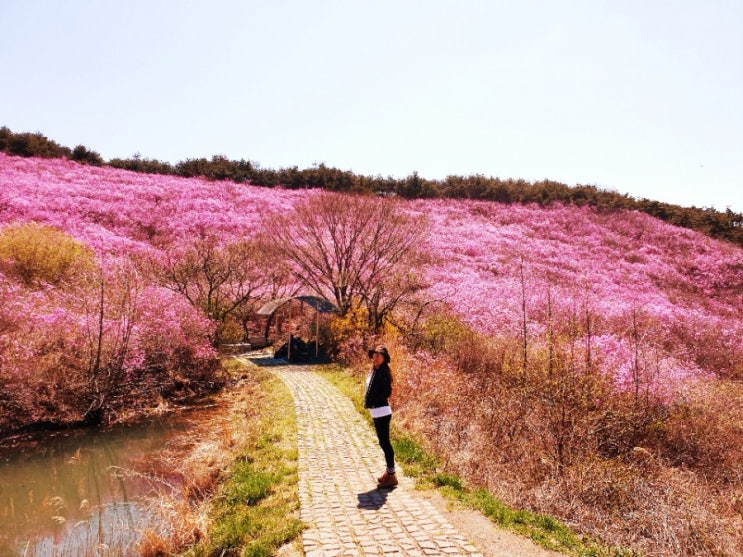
[(378, 390)]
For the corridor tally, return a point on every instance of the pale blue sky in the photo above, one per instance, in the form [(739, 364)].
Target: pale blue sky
[(641, 97)]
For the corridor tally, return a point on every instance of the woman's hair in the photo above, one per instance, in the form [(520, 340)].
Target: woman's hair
[(380, 350)]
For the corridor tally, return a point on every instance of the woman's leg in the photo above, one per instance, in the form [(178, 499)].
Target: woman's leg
[(382, 426)]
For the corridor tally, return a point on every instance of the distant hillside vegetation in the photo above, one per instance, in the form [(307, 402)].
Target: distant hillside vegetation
[(726, 225)]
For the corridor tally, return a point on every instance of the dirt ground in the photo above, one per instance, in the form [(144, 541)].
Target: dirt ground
[(483, 534)]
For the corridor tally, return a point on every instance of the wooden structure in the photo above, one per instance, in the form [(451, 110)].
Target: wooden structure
[(320, 305)]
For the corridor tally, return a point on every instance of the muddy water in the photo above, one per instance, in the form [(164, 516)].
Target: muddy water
[(83, 492)]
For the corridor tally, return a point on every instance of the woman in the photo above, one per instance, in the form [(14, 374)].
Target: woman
[(378, 390)]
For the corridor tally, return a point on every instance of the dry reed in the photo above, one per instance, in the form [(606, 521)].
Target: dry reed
[(663, 478)]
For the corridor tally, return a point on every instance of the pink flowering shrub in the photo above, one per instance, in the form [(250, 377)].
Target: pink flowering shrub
[(83, 352), (684, 290), (117, 211)]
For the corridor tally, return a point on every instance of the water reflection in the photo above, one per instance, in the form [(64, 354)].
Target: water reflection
[(78, 490)]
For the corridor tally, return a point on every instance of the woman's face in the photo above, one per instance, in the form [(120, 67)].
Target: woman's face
[(377, 359)]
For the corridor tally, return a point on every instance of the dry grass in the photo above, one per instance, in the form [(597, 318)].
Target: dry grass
[(190, 469), (420, 464), (663, 479), (211, 460)]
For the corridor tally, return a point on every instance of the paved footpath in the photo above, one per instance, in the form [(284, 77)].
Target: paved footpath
[(339, 460)]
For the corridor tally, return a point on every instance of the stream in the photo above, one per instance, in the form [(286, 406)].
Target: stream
[(82, 492)]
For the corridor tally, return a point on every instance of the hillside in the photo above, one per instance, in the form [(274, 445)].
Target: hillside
[(687, 288), (718, 224), (559, 345)]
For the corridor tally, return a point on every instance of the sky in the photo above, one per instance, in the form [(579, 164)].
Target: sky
[(643, 97)]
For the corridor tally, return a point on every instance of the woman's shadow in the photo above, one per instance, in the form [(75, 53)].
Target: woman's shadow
[(373, 499)]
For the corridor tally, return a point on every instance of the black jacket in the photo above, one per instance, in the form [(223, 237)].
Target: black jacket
[(380, 388)]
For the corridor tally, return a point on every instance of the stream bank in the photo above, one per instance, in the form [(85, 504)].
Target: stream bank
[(74, 492)]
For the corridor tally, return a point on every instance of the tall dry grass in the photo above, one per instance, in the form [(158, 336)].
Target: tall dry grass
[(190, 469), (662, 477)]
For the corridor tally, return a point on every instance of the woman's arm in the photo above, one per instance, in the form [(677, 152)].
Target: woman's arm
[(386, 383)]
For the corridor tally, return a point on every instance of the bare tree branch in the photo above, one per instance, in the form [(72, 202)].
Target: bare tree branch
[(353, 250)]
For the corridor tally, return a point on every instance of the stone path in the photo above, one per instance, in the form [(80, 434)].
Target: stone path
[(339, 459)]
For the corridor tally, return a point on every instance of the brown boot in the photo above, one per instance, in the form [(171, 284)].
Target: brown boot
[(387, 480)]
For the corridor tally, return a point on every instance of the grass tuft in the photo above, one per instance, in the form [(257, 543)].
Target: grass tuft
[(247, 484), (450, 481), (418, 463)]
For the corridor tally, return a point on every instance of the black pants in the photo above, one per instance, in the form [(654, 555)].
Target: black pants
[(382, 426)]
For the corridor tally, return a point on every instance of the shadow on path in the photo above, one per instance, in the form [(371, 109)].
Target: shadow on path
[(374, 499), (264, 360)]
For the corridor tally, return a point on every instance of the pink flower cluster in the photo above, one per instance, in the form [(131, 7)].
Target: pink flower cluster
[(117, 211), (664, 302)]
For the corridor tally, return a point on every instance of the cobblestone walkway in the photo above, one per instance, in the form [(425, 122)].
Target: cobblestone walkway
[(339, 459)]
